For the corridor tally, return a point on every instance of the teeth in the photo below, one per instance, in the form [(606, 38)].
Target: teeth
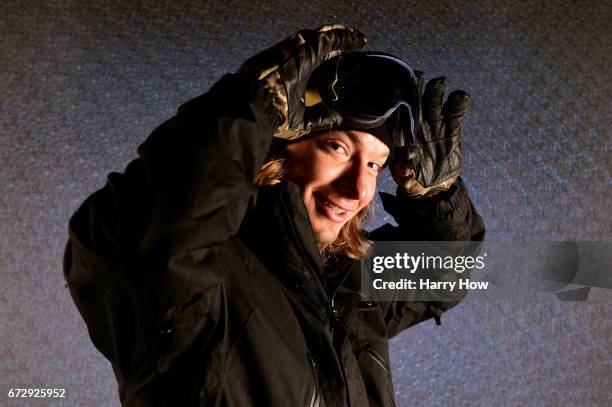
[(335, 209)]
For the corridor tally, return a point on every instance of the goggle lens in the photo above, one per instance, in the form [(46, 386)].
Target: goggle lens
[(370, 86)]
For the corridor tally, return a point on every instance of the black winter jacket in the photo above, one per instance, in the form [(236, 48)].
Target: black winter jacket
[(202, 289)]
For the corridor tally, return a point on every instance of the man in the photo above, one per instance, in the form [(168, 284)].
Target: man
[(218, 270)]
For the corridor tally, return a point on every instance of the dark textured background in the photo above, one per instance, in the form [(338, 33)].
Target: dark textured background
[(83, 83)]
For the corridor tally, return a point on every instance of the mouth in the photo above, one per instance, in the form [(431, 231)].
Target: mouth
[(332, 211)]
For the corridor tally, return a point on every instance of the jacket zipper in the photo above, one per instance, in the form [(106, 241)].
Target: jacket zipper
[(320, 283), (377, 358), (381, 362), (315, 400)]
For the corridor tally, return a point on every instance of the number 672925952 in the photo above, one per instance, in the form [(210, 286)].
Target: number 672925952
[(37, 393)]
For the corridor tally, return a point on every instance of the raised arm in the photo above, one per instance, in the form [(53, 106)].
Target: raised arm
[(145, 249), (431, 203)]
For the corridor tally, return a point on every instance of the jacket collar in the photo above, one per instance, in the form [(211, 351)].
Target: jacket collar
[(278, 231)]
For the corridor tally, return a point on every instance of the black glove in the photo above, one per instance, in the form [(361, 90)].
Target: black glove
[(433, 163), (286, 67)]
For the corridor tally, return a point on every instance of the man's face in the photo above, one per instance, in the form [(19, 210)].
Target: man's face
[(336, 173)]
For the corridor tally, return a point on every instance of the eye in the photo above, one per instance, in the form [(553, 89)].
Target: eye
[(336, 147), (375, 166)]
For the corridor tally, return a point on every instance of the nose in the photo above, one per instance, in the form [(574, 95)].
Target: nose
[(354, 183)]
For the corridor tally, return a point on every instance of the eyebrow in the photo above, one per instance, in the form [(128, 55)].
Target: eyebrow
[(355, 139)]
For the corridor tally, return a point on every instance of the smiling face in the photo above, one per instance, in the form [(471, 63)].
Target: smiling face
[(336, 173)]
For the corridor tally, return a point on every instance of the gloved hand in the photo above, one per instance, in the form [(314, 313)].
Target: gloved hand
[(286, 67), (432, 164)]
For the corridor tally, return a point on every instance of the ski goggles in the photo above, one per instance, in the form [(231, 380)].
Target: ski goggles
[(366, 89)]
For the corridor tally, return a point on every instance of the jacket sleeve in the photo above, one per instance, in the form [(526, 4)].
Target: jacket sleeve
[(449, 216), (145, 248)]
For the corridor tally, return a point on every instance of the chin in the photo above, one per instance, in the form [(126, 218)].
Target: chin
[(326, 234), (325, 230)]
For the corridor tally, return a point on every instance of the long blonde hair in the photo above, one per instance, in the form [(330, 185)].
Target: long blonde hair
[(351, 241)]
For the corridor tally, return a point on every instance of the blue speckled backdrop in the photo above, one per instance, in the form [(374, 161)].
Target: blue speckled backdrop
[(83, 83)]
